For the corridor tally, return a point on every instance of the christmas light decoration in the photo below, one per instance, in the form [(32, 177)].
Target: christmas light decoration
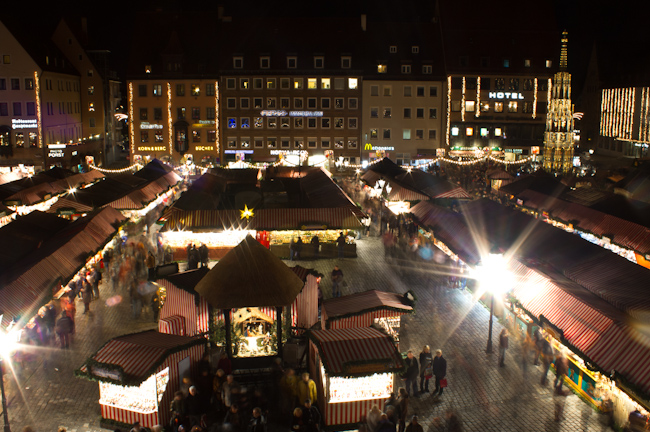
[(131, 121), (39, 113), (462, 103), (216, 119), (115, 171), (246, 213), (169, 118), (448, 108), (535, 98), (477, 111)]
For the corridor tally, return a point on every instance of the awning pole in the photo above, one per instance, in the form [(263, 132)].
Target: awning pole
[(279, 324), (226, 316)]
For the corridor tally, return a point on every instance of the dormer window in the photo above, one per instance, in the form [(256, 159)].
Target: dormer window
[(319, 62), (392, 49), (415, 49), (382, 68), (238, 62), (265, 62), (292, 62), (346, 62), (147, 69)]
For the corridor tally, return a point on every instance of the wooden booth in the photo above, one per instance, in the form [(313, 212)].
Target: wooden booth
[(354, 370), (138, 375), (256, 298), (365, 309)]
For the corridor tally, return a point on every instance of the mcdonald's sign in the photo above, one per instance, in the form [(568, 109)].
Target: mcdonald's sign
[(368, 146)]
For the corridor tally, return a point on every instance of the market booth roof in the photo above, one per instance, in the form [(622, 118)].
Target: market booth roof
[(249, 276), (131, 359), (359, 303), (356, 351)]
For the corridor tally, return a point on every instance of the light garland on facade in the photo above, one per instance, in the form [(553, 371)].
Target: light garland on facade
[(477, 110), (216, 119), (448, 108), (115, 171), (535, 98), (462, 103), (548, 94), (39, 113), (131, 120), (169, 118)]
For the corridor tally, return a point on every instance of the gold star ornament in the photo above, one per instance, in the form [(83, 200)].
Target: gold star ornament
[(246, 213)]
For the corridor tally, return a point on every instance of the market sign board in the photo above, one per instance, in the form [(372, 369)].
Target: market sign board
[(106, 373), (367, 368)]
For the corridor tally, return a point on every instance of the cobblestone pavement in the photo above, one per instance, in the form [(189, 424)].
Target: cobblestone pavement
[(488, 398)]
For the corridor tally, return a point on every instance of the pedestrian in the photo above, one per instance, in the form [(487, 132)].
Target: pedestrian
[(337, 277), (403, 407), (561, 370), (257, 422), (411, 374), (297, 422), (64, 329), (136, 427), (310, 416), (385, 425), (340, 242), (194, 406), (538, 341), (372, 418), (204, 255), (232, 421), (86, 295), (289, 389), (155, 306), (440, 372), (178, 411), (503, 346), (547, 359), (151, 266), (426, 368), (414, 426), (315, 243), (307, 388), (298, 246), (227, 391), (526, 346), (454, 423), (292, 249)]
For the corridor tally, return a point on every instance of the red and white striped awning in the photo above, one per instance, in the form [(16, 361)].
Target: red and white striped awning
[(174, 324), (137, 355), (368, 303), (344, 349), (263, 219)]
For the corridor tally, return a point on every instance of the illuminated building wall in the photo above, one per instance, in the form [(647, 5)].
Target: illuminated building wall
[(625, 120), (174, 120), (559, 139)]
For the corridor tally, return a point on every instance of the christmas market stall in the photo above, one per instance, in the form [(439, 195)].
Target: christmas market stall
[(379, 308), (138, 375), (354, 370), (255, 300)]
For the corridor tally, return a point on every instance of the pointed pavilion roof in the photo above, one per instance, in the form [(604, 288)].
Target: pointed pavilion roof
[(249, 276)]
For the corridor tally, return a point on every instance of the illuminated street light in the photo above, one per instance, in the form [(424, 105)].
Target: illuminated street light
[(493, 276)]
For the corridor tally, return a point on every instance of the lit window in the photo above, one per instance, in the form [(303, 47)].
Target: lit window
[(91, 106), (549, 63), (244, 83), (196, 136), (325, 83), (512, 107), (406, 134), (497, 131), (527, 63), (454, 131), (484, 132), (312, 83), (485, 107), (469, 131), (382, 68), (297, 83), (196, 89), (506, 63), (498, 107), (373, 133), (91, 90), (147, 69), (387, 112), (470, 106), (270, 83), (353, 83), (232, 123)]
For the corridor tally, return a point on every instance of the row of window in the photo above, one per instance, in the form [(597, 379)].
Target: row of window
[(293, 83), (481, 131), (463, 61), (195, 89), (418, 134), (512, 107), (407, 91), (292, 62), (65, 108), (298, 122), (285, 103), (387, 113), (158, 136), (17, 108), (21, 139), (14, 84), (405, 69), (510, 84), (210, 113), (298, 143)]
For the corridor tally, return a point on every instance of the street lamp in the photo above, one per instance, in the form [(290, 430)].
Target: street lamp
[(493, 276)]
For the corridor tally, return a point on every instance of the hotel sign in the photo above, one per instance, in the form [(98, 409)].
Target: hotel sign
[(505, 95)]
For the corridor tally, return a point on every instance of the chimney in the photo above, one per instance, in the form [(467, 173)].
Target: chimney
[(363, 22)]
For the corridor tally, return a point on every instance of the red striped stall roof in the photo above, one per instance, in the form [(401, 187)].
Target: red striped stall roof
[(343, 349), (139, 354), (360, 303), (263, 219), (174, 324)]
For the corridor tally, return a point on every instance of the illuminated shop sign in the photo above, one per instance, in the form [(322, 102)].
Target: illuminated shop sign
[(371, 147), (239, 151), (287, 152), (56, 154), (24, 123), (505, 95), (153, 149), (145, 125), (55, 146), (204, 148), (514, 150), (283, 113)]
